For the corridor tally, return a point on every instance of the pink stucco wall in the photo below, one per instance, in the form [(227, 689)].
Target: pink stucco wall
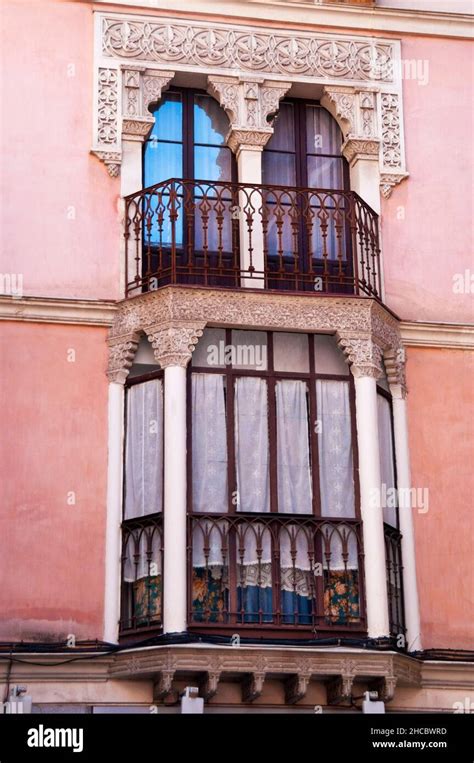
[(427, 222), (440, 402), (59, 223), (54, 442)]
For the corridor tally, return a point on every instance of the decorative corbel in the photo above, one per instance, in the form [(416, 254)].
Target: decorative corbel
[(385, 687), (209, 684), (296, 687), (395, 367), (252, 686), (163, 686), (339, 689)]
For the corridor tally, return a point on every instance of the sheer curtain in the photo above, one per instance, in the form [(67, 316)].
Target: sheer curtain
[(209, 441), (251, 444), (144, 450), (293, 455), (387, 470), (336, 473)]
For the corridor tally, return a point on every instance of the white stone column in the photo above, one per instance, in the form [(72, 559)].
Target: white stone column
[(114, 512), (121, 352), (365, 358), (395, 365), (249, 164), (173, 347)]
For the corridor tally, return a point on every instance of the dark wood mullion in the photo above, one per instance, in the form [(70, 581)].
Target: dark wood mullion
[(317, 538), (231, 485), (272, 452)]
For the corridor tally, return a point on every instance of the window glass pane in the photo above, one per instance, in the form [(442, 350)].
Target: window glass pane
[(212, 163), (249, 350), (278, 169), (290, 352), (387, 470), (283, 138), (162, 162), (210, 121), (209, 443), (328, 358), (144, 450), (324, 172), (293, 454), (251, 444), (210, 350), (323, 135), (336, 475), (168, 118)]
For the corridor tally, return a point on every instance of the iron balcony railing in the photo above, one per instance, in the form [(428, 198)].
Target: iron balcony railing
[(213, 233), (273, 575)]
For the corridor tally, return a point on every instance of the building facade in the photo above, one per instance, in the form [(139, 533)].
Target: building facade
[(237, 329)]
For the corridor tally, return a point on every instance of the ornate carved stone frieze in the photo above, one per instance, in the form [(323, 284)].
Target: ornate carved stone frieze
[(138, 56), (173, 318)]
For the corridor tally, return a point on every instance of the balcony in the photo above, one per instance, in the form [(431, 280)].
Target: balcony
[(219, 234), (265, 576)]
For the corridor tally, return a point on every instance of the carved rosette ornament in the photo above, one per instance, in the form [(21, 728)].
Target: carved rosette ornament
[(174, 345)]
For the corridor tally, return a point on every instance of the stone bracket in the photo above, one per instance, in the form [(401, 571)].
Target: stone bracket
[(252, 686), (163, 686), (384, 686), (209, 683), (339, 689), (296, 687)]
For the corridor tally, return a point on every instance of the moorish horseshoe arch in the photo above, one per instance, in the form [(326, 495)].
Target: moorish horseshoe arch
[(136, 58)]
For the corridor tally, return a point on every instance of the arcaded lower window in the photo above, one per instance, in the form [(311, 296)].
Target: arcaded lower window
[(272, 481)]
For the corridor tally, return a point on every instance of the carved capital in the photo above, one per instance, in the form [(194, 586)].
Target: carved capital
[(395, 367), (295, 688), (137, 129), (248, 102), (361, 148), (122, 350), (364, 355), (340, 101), (252, 686), (173, 345)]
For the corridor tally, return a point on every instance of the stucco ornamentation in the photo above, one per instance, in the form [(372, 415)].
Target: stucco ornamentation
[(121, 353), (173, 319), (244, 65), (173, 345)]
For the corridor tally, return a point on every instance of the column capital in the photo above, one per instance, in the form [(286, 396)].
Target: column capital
[(141, 87), (248, 102), (395, 366), (173, 344), (122, 350), (364, 355)]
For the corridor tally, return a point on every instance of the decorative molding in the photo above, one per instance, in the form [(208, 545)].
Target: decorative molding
[(141, 88), (80, 312), (111, 159), (361, 148), (121, 354), (452, 336), (395, 363)]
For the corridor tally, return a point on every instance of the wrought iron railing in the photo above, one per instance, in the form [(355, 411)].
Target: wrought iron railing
[(275, 572), (214, 233), (142, 573), (393, 560)]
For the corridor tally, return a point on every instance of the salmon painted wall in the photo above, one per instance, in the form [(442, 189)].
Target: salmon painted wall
[(59, 227), (427, 222), (53, 445), (441, 425)]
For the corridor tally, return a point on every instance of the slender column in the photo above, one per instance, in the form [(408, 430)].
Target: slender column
[(249, 163), (173, 346), (402, 457), (365, 357)]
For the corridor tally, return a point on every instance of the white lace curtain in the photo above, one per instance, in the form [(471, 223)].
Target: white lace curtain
[(387, 470), (293, 454), (144, 450), (209, 443), (251, 444)]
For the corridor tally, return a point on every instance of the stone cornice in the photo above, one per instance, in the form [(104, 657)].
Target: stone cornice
[(81, 312), (377, 19), (458, 336)]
